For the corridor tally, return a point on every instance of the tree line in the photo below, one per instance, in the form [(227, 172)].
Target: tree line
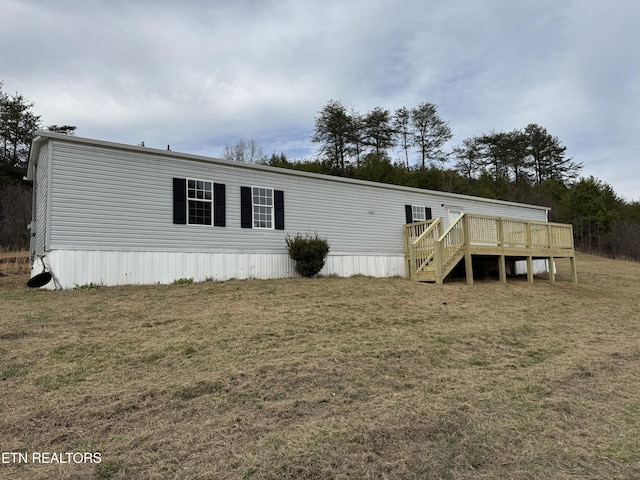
[(347, 138)]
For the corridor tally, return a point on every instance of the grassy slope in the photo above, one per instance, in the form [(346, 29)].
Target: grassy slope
[(327, 378)]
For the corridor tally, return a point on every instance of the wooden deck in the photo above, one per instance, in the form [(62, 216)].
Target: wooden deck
[(432, 254)]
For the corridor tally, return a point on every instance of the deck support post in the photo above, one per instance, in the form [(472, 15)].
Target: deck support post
[(412, 263), (438, 261), (468, 266), (468, 261), (502, 269), (574, 273), (552, 269), (530, 269)]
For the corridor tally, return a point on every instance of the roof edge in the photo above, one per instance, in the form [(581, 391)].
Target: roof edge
[(34, 154), (43, 136)]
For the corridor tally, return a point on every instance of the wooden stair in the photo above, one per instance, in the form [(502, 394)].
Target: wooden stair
[(427, 274)]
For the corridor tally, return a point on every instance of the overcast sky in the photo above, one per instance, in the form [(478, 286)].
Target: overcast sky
[(199, 74)]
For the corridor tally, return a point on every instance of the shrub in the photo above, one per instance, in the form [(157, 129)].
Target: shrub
[(309, 253)]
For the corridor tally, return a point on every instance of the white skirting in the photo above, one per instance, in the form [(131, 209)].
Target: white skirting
[(539, 266), (73, 268)]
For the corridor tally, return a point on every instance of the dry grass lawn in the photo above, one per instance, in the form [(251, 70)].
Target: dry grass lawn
[(13, 263), (327, 378)]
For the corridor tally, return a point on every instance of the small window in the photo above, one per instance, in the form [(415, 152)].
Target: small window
[(200, 200), (418, 213), (262, 202)]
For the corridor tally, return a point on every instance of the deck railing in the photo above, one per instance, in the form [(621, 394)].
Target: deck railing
[(508, 232), (426, 246), (413, 230), (450, 244), (420, 243)]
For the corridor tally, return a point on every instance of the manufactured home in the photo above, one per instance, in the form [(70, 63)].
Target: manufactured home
[(114, 214)]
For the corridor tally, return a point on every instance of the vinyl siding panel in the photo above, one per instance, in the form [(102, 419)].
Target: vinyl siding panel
[(120, 199), (41, 192)]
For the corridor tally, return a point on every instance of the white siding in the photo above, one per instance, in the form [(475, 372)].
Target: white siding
[(77, 268), (41, 205), (121, 199)]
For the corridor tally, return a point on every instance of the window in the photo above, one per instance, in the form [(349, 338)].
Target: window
[(262, 201), (200, 199), (417, 213), (198, 202), (261, 207)]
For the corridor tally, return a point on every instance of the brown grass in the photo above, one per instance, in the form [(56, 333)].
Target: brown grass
[(328, 378), (13, 263)]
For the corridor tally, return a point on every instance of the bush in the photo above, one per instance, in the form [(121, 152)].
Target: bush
[(309, 253)]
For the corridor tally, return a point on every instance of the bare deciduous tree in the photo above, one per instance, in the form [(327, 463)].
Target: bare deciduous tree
[(245, 151)]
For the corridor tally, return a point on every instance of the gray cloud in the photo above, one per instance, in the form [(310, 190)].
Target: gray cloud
[(201, 74)]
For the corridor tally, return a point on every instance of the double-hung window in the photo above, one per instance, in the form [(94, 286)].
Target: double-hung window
[(200, 201), (261, 208), (262, 202)]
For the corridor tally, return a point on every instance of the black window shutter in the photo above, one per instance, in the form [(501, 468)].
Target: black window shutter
[(219, 205), (408, 213), (245, 207), (180, 201), (427, 213), (278, 203)]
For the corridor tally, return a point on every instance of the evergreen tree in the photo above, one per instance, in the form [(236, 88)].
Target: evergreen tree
[(592, 207), (516, 156), (334, 131), (495, 155), (62, 129), (469, 156), (548, 157), (356, 136), (377, 131), (18, 125), (430, 133)]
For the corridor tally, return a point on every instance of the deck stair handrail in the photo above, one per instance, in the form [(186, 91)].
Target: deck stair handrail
[(428, 249), (451, 245), (420, 244)]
